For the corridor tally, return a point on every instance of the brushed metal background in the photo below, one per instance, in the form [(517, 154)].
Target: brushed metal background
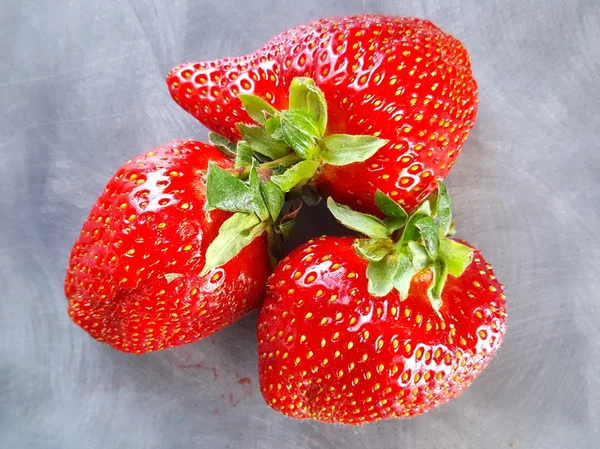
[(82, 90)]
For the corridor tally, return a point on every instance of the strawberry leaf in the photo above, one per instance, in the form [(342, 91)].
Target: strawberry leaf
[(260, 207), (274, 198), (395, 216), (388, 206), (226, 192), (300, 130), (244, 155), (235, 233), (419, 257), (273, 128), (222, 144), (257, 108), (373, 250), (443, 209), (343, 149), (430, 234), (403, 276), (306, 96), (434, 292), (424, 209), (297, 175), (380, 275), (261, 142), (363, 223), (411, 232), (456, 255)]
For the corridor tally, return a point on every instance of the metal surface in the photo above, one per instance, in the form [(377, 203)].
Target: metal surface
[(82, 90)]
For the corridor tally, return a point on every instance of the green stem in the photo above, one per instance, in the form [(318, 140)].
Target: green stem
[(285, 161), (274, 246), (406, 235)]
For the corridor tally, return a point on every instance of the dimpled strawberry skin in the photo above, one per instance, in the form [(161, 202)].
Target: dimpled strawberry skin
[(330, 351), (133, 279), (402, 79)]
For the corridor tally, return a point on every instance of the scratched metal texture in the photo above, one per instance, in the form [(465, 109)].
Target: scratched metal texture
[(82, 90)]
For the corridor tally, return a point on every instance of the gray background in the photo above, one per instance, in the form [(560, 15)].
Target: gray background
[(82, 90)]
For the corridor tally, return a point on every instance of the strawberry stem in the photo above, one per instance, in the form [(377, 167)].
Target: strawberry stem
[(286, 161)]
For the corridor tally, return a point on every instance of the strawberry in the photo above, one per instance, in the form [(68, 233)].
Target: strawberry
[(401, 79), (134, 279), (350, 334)]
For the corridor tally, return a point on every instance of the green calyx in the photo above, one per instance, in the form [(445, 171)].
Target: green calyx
[(402, 245), (280, 154), (257, 205), (299, 130)]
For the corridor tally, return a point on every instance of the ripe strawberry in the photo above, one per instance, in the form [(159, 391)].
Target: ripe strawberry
[(134, 280), (401, 79), (331, 349)]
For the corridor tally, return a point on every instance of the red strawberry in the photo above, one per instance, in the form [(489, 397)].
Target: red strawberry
[(402, 79), (332, 350), (134, 280)]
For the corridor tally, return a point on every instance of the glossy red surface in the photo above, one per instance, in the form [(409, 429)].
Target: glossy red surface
[(133, 280), (401, 79), (330, 351)]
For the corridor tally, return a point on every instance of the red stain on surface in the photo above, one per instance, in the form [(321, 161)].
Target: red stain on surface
[(237, 392), (200, 366), (240, 393), (193, 366)]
